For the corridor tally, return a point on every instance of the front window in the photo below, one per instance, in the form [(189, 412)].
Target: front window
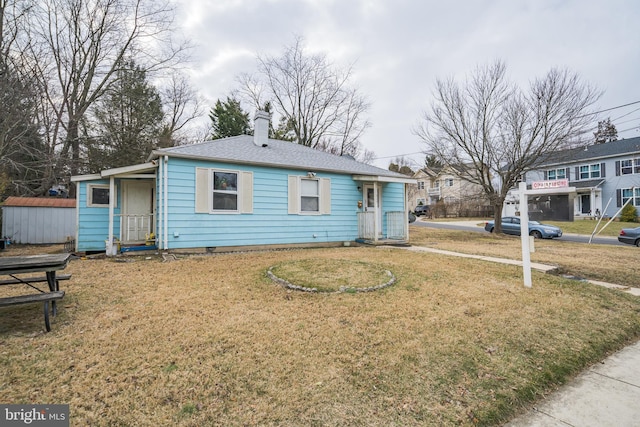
[(631, 193), (98, 196), (420, 185), (448, 182), (309, 195), (225, 191)]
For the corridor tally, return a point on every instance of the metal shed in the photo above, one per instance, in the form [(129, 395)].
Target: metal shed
[(38, 220)]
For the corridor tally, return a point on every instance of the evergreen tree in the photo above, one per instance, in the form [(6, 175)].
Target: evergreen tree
[(606, 132), (228, 119), (128, 121)]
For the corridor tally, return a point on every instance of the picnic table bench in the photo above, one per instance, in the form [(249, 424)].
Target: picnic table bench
[(50, 264)]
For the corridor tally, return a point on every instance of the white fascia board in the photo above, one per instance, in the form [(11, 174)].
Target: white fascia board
[(372, 178), (90, 177), (127, 170)]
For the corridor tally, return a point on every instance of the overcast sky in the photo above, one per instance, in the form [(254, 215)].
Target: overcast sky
[(399, 48)]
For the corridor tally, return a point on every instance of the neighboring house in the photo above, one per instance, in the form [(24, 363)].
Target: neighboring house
[(445, 188), (599, 180), (240, 191), (38, 220)]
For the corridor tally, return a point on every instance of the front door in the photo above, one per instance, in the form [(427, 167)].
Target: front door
[(372, 204), (585, 200), (137, 210)]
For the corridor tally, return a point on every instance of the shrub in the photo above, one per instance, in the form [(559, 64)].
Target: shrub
[(629, 213)]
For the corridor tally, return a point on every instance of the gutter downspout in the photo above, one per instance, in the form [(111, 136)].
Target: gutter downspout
[(160, 203), (166, 204)]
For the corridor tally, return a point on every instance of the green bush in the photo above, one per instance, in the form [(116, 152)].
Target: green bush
[(629, 213)]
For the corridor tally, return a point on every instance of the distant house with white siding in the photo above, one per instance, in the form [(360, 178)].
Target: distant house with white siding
[(237, 192), (38, 220)]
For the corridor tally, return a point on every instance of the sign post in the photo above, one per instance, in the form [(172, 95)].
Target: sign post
[(559, 186), (524, 234)]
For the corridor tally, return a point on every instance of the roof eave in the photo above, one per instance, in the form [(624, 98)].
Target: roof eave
[(276, 165)]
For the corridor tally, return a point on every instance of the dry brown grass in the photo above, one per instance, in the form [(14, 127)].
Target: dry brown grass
[(615, 264), (209, 340)]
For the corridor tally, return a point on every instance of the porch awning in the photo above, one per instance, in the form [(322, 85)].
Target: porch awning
[(143, 170), (591, 184)]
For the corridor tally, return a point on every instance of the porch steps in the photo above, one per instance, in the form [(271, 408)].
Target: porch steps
[(383, 242)]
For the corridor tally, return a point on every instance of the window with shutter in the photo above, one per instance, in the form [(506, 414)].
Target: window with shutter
[(309, 195), (223, 191)]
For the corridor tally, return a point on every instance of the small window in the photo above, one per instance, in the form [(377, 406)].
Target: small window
[(554, 174), (626, 167), (595, 170), (309, 195), (225, 191), (448, 182), (636, 165), (98, 196), (420, 185), (584, 172)]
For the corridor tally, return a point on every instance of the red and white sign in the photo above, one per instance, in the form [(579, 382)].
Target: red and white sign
[(543, 185)]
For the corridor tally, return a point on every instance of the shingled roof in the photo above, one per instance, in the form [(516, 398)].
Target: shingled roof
[(283, 154), (617, 148)]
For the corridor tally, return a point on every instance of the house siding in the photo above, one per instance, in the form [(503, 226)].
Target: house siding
[(93, 222), (270, 223)]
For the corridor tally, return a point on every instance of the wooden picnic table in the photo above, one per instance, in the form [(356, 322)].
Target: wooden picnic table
[(50, 264)]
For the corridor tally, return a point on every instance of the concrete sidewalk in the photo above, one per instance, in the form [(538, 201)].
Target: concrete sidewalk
[(534, 265), (605, 395)]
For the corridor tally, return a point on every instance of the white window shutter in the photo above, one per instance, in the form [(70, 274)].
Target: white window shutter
[(294, 195), (246, 192), (325, 196), (202, 190)]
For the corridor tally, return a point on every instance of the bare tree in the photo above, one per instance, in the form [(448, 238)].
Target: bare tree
[(313, 96), (182, 105), (77, 46), (502, 131), (22, 157)]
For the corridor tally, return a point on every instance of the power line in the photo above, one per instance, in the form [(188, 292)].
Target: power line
[(615, 108), (590, 114)]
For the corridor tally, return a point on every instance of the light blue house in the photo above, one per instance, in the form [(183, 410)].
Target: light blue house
[(238, 192)]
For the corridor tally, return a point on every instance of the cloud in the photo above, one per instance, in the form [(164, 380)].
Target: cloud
[(398, 48)]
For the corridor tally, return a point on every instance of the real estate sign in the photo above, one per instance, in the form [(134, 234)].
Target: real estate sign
[(543, 185)]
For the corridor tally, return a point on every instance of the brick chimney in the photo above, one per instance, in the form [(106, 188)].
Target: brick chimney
[(261, 128)]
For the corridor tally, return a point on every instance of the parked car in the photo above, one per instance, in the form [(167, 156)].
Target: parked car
[(630, 236), (511, 225), (423, 210)]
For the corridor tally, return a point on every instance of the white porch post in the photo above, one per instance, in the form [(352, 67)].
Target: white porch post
[(112, 197), (378, 212)]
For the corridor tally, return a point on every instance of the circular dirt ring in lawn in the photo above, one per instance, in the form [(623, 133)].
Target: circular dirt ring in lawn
[(331, 276)]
